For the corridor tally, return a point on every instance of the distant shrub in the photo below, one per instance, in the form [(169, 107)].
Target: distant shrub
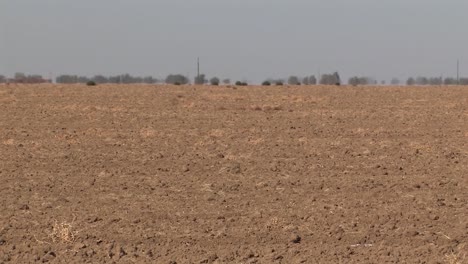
[(239, 83), (294, 80), (214, 81), (279, 83), (266, 83), (91, 83), (177, 83)]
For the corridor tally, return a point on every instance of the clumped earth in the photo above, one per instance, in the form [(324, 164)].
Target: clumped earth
[(192, 174)]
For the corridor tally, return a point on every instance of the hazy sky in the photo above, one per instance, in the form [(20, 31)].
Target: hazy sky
[(240, 39)]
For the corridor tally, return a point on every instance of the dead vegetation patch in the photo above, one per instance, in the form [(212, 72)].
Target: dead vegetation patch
[(63, 232)]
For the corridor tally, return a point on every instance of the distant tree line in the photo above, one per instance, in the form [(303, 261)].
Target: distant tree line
[(177, 79), (180, 79), (325, 79), (23, 78), (292, 80), (436, 81), (100, 79)]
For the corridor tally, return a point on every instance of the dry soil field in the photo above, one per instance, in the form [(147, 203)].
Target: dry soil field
[(165, 174)]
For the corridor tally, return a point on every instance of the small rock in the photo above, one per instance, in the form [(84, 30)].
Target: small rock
[(2, 241), (24, 207), (49, 256), (79, 246), (150, 253), (110, 249), (90, 253), (210, 259), (295, 239), (235, 168), (122, 252)]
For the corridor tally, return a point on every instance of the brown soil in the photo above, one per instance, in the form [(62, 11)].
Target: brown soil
[(163, 174)]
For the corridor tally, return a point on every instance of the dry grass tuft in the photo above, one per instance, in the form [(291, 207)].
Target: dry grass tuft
[(457, 258), (63, 232)]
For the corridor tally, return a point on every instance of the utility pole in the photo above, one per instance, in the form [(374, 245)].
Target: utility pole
[(318, 77), (458, 72), (198, 68)]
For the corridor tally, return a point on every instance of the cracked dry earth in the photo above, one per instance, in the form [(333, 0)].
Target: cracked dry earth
[(191, 174)]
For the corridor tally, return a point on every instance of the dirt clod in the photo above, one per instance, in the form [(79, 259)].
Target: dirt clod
[(295, 239)]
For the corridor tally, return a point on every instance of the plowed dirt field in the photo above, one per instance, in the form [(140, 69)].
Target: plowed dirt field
[(192, 174)]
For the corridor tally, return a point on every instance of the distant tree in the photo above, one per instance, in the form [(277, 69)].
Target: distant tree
[(337, 79), (360, 81), (312, 80), (35, 78), (383, 82), (330, 79), (128, 79), (67, 79), (327, 79), (214, 81), (125, 78), (450, 81), (305, 81), (137, 80), (463, 81), (226, 81), (422, 81), (114, 79), (149, 80), (395, 81), (274, 81), (410, 81), (239, 83), (354, 81), (20, 77), (266, 83), (293, 80), (83, 79), (100, 79), (199, 80), (2, 79), (435, 81), (177, 78)]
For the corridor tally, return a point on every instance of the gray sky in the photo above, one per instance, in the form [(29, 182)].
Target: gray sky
[(240, 39)]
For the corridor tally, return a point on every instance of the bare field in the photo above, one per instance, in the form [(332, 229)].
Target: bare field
[(187, 174)]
